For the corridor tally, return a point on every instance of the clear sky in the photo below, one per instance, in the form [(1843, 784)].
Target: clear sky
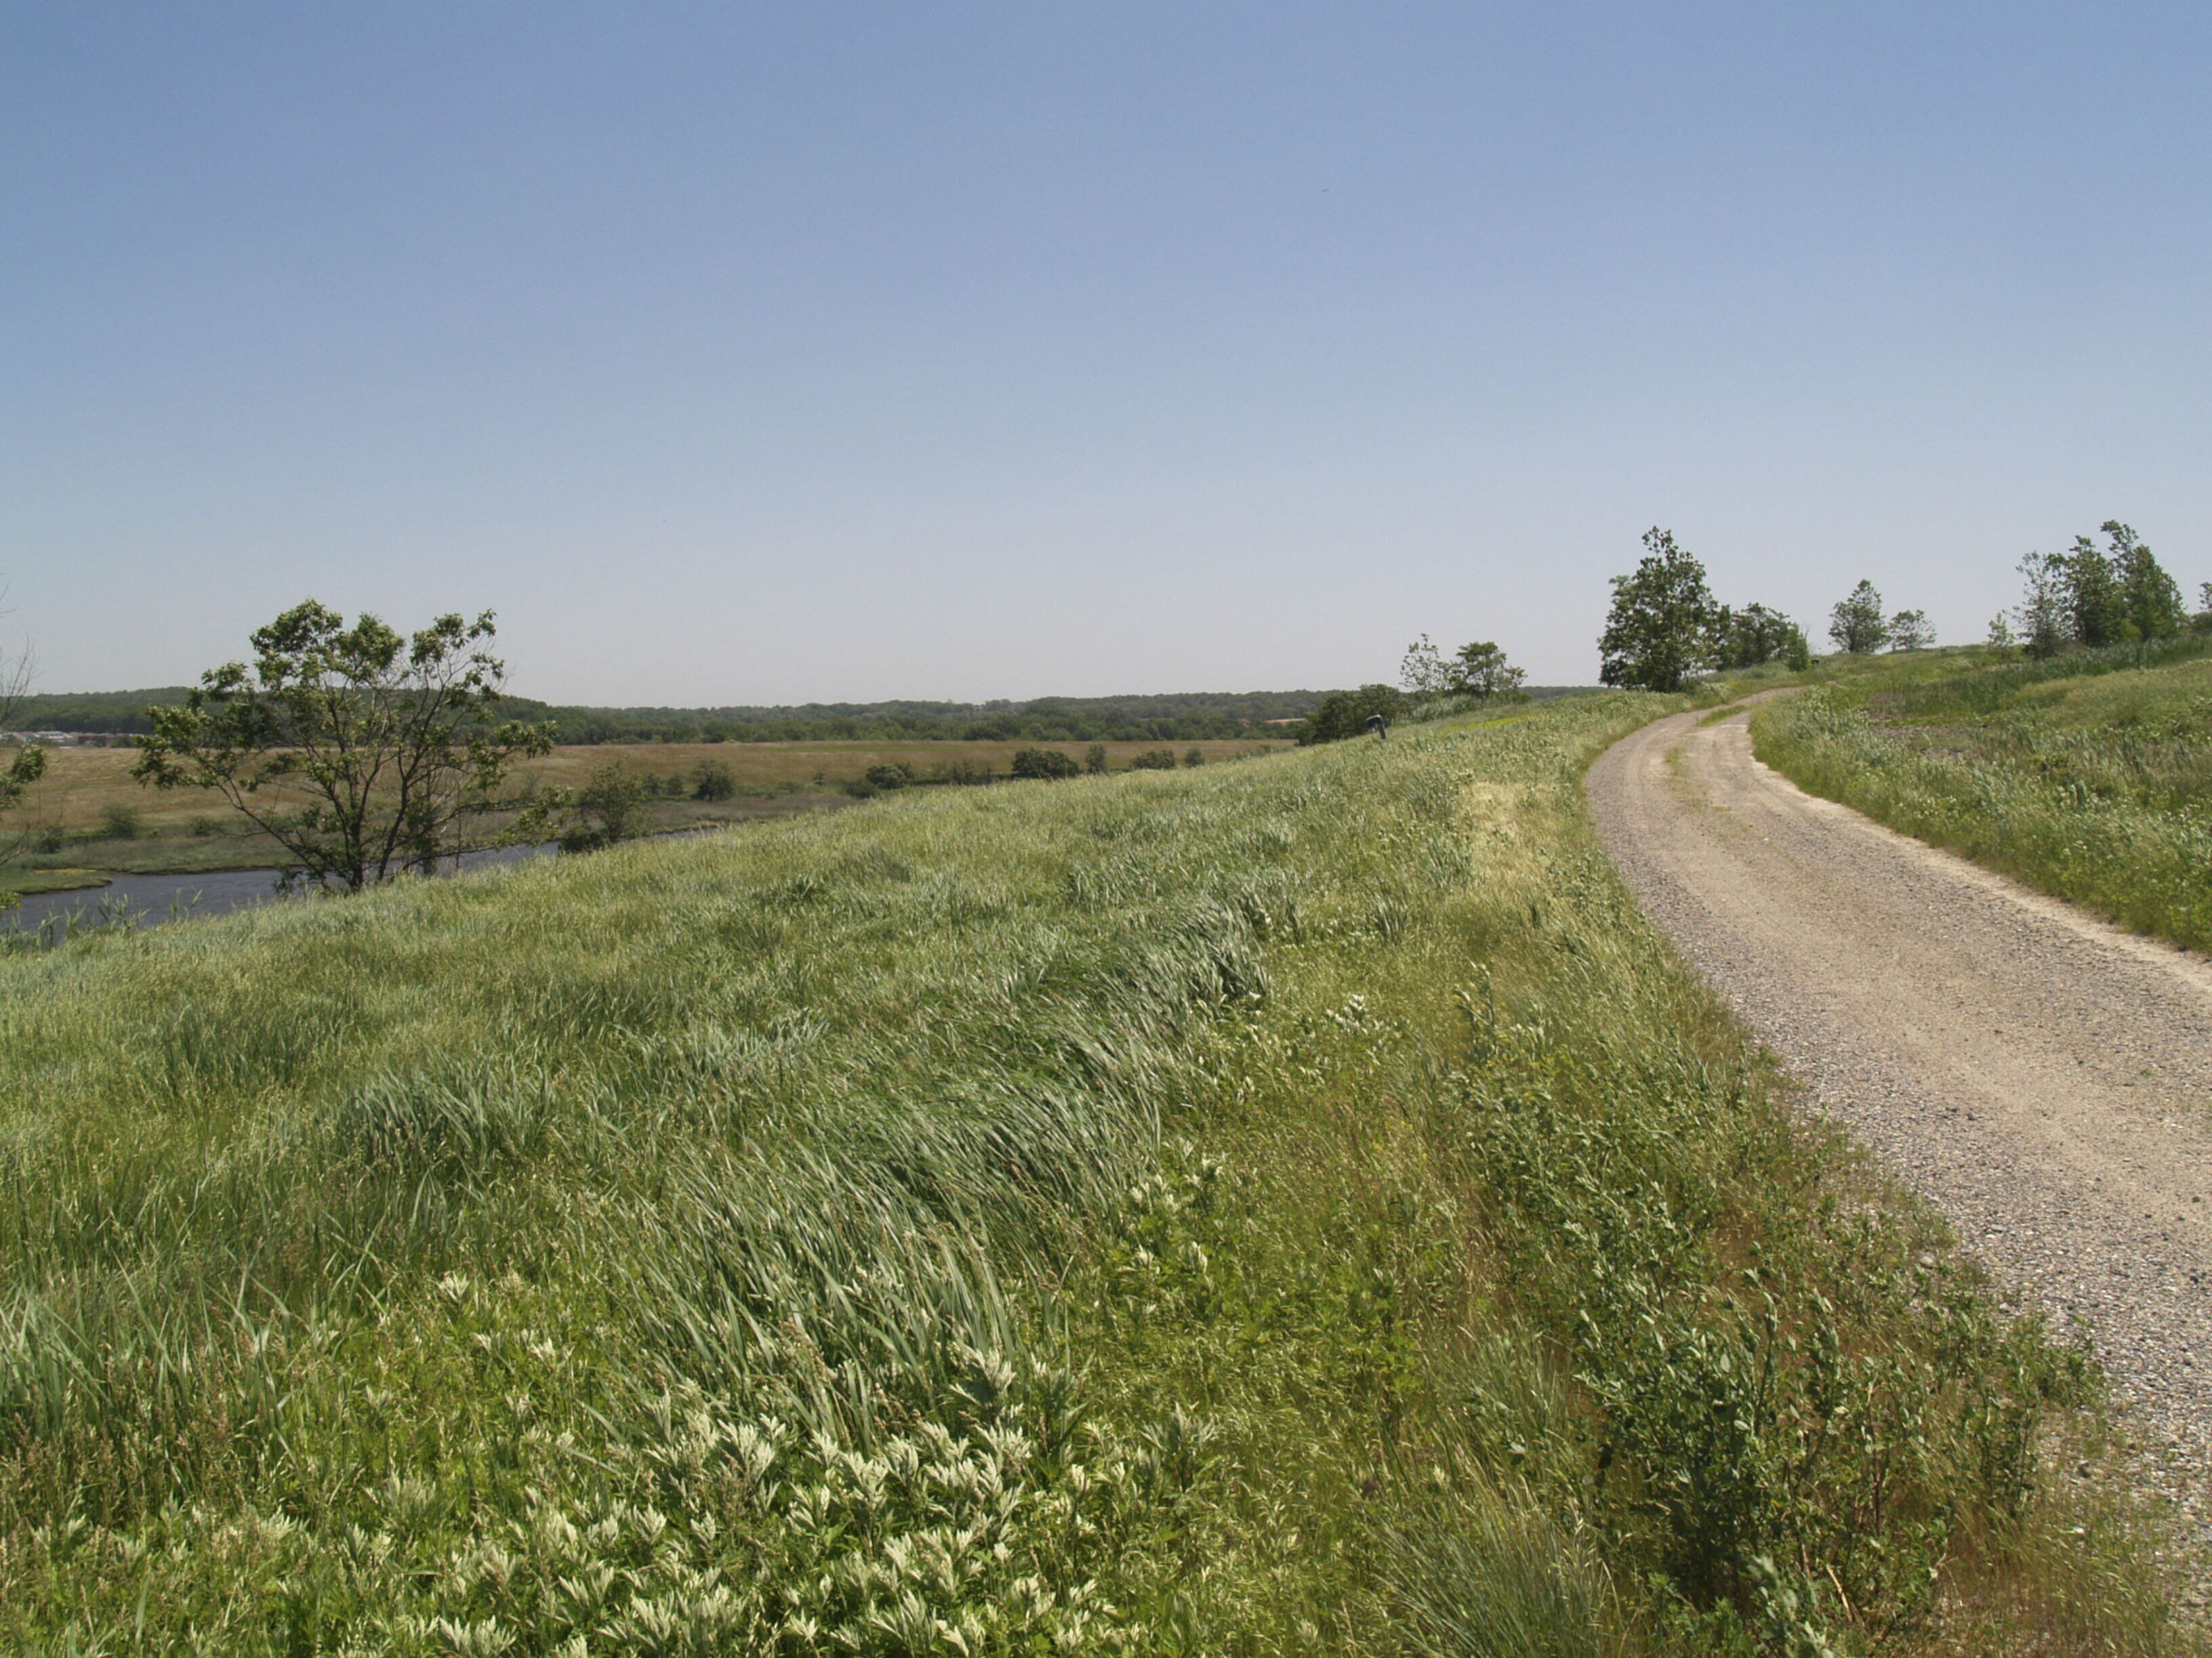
[(751, 353)]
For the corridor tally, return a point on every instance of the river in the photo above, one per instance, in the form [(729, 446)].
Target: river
[(150, 900)]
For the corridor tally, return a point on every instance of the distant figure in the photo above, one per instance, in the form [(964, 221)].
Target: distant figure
[(1374, 723)]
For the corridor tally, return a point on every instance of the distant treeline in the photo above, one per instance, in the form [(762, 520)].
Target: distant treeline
[(1180, 717)]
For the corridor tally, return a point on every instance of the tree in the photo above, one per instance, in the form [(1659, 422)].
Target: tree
[(2096, 608), (608, 809), (1193, 755), (1345, 713), (1856, 623), (1480, 670), (2001, 635), (24, 767), (395, 741), (2147, 594), (1910, 630), (1422, 670), (1745, 638), (1094, 759), (711, 780), (2045, 627), (1659, 631)]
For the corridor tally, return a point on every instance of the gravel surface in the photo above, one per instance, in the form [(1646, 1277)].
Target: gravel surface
[(2044, 1078)]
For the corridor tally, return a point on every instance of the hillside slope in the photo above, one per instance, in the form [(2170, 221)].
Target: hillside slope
[(1288, 1207)]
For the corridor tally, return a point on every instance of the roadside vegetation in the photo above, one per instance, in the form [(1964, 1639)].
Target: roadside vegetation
[(1294, 1207), (2087, 774)]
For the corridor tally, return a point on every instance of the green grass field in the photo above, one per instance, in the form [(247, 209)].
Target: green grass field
[(2088, 776), (1288, 1207)]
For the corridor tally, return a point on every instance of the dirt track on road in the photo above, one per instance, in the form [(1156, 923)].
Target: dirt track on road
[(2043, 1078)]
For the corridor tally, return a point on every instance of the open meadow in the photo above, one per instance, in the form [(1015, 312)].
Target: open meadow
[(2087, 776), (1288, 1207), (88, 793)]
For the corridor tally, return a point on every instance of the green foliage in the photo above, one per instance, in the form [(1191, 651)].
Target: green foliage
[(1176, 717), (1296, 1207), (1194, 757), (24, 767), (1422, 670), (2096, 604), (890, 775), (1346, 714), (608, 809), (2087, 775), (1911, 631), (1094, 759), (1756, 634), (1658, 633), (2091, 598), (1480, 670), (396, 741), (1045, 763), (962, 774), (1154, 760), (120, 823), (1856, 624), (711, 780)]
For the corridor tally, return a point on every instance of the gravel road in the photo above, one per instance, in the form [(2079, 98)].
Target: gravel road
[(2044, 1078)]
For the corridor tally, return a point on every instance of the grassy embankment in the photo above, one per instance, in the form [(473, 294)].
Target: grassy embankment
[(2088, 776), (1293, 1207), (189, 830)]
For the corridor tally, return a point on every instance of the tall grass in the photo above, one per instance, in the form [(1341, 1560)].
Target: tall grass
[(1294, 1207), (2089, 777)]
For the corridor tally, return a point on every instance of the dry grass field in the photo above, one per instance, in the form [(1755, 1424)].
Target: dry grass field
[(81, 784), (192, 829)]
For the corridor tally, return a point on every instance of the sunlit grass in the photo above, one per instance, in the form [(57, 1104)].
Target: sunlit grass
[(1295, 1206), (2086, 776)]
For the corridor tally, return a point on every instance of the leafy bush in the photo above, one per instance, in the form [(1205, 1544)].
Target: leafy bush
[(890, 776), (713, 780), (1345, 713), (1047, 763), (962, 774), (610, 808), (1154, 760), (120, 823)]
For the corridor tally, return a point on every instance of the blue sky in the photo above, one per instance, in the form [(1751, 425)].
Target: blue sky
[(768, 354)]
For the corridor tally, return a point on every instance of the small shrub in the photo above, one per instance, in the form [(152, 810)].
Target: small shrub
[(1345, 713), (1155, 760), (49, 840), (608, 809), (1094, 759), (1192, 756), (120, 823), (1047, 763), (890, 775), (962, 774), (711, 780), (205, 828)]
